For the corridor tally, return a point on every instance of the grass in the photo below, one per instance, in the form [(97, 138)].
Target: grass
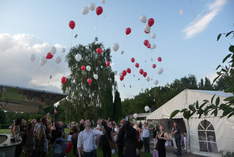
[(5, 131)]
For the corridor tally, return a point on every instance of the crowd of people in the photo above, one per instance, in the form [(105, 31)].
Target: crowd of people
[(43, 137)]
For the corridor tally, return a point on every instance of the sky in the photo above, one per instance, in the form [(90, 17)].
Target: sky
[(186, 32)]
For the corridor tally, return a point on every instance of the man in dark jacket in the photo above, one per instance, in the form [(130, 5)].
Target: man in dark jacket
[(120, 139)]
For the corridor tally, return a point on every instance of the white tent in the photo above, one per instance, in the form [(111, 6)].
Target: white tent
[(207, 135)]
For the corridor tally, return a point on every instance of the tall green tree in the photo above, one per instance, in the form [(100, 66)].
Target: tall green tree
[(89, 100), (117, 107)]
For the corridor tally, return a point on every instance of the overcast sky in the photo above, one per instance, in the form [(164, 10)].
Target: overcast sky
[(186, 33)]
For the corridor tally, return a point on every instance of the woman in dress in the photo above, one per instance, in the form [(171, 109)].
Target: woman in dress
[(162, 137)]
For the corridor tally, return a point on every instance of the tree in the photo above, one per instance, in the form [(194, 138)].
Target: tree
[(89, 100), (226, 78)]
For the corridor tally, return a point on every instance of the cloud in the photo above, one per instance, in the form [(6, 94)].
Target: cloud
[(17, 69), (200, 24)]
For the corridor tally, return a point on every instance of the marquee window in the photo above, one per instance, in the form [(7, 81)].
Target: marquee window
[(206, 136)]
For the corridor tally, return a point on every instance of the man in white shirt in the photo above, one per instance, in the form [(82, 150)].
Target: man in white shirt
[(146, 137), (86, 142)]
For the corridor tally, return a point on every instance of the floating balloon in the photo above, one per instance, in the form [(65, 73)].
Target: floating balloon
[(146, 43), (49, 55), (64, 80), (85, 10), (53, 50), (145, 74), (143, 19), (153, 35), (159, 59), (115, 47), (135, 115), (58, 60), (124, 73), (147, 109), (147, 29), (99, 51), (95, 76), (137, 65), (92, 6), (83, 68), (72, 24), (128, 31), (89, 80), (107, 63), (88, 68), (154, 66), (150, 22), (148, 79), (99, 10), (78, 57), (43, 61), (63, 50), (160, 71), (141, 71), (153, 46), (149, 46), (33, 57), (132, 60), (103, 1), (156, 82), (122, 52), (181, 11), (129, 70), (121, 78)]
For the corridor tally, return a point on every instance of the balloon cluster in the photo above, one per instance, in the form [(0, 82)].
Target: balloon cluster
[(91, 7)]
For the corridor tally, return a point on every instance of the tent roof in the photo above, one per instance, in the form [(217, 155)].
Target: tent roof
[(182, 100)]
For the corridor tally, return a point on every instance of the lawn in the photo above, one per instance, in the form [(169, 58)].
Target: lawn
[(5, 131)]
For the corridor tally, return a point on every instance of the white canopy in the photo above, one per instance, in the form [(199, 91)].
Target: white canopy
[(223, 127)]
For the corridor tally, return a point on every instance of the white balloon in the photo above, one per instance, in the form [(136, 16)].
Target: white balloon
[(156, 82), (58, 60), (135, 115), (88, 68), (43, 61), (153, 46), (143, 19), (148, 79), (153, 35), (95, 76), (181, 11), (103, 1), (63, 50), (115, 47), (147, 108), (33, 57), (160, 71), (92, 6), (78, 57), (85, 10), (147, 29), (53, 49)]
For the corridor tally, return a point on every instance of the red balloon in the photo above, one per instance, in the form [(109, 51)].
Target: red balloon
[(107, 63), (83, 68), (141, 71), (132, 60), (147, 32), (146, 43), (49, 55), (150, 22), (145, 74), (159, 59), (149, 45), (137, 65), (72, 24), (154, 66), (128, 31), (99, 50), (124, 73), (129, 70), (89, 80), (121, 78), (63, 80), (99, 10)]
